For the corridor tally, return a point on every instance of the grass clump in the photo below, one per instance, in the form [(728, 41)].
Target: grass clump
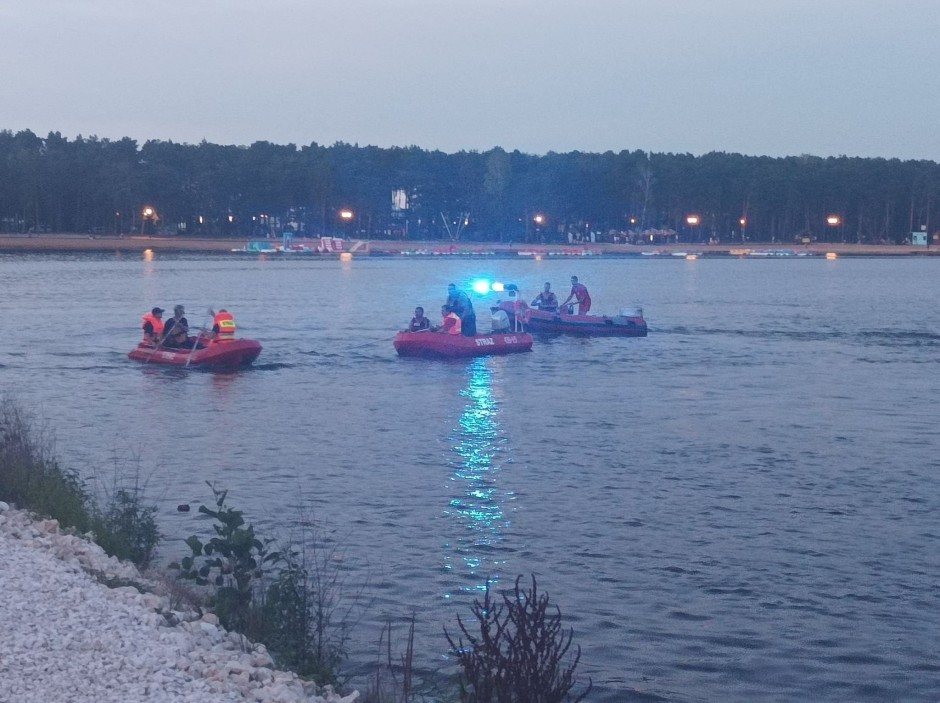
[(32, 478)]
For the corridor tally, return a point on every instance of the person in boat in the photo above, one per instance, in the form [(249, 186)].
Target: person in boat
[(546, 301), (419, 323), (176, 330), (580, 293), (519, 308), (223, 326), (450, 324), (459, 302), (499, 320), (153, 326)]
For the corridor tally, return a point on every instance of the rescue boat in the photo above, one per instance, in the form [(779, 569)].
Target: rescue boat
[(436, 345), (629, 323), (230, 354)]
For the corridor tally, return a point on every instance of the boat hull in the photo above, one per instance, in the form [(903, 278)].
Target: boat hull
[(582, 325), (434, 345), (221, 355)]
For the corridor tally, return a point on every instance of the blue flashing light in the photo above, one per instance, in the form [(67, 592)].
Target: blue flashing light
[(481, 286)]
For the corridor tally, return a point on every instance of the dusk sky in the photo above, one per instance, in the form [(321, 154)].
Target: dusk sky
[(785, 77)]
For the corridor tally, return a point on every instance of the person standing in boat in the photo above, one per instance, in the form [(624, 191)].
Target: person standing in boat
[(459, 302), (580, 293), (546, 301), (153, 326), (176, 330), (419, 323)]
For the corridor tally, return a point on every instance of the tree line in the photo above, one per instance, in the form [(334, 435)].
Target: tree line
[(92, 185)]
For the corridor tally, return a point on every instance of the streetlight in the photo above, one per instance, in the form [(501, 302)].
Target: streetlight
[(743, 223), (538, 220), (834, 221), (692, 221), (148, 220), (346, 215)]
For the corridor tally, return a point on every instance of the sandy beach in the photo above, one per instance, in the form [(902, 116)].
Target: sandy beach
[(98, 243)]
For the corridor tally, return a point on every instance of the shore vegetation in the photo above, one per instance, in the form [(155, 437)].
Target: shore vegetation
[(293, 597)]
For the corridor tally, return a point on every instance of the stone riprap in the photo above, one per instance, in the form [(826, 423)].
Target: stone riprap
[(66, 636)]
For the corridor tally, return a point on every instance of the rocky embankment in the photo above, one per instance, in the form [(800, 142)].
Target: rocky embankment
[(67, 636)]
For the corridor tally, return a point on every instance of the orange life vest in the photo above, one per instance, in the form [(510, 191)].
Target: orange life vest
[(226, 324), (455, 328), (155, 322)]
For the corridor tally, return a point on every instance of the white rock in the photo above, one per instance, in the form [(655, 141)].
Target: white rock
[(67, 637)]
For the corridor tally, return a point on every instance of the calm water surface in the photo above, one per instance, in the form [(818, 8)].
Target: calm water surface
[(742, 506)]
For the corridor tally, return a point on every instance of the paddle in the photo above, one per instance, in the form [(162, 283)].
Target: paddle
[(155, 348), (202, 331)]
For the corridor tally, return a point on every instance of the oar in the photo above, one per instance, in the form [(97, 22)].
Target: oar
[(155, 348), (202, 330)]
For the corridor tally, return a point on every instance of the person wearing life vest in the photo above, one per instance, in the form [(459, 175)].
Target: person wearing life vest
[(223, 327), (451, 323), (153, 326), (419, 323), (546, 301)]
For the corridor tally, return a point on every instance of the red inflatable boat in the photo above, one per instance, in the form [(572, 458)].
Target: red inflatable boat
[(443, 346), (219, 355)]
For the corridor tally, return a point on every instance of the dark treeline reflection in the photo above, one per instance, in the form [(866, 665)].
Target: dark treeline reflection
[(99, 186)]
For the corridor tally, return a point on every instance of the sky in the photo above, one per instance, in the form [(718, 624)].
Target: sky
[(756, 77)]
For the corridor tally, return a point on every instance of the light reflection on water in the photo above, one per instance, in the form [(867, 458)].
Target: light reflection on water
[(476, 508)]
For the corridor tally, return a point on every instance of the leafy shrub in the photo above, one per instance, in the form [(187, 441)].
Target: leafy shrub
[(232, 562), (517, 654), (288, 600)]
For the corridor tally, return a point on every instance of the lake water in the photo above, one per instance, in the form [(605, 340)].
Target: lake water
[(742, 506)]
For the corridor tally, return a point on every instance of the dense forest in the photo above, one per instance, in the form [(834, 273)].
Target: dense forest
[(99, 186)]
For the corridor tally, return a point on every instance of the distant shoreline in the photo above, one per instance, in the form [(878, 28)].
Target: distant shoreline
[(98, 243)]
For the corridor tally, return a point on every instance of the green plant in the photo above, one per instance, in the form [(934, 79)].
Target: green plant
[(232, 562), (313, 606), (517, 654), (128, 529), (288, 612), (294, 601)]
